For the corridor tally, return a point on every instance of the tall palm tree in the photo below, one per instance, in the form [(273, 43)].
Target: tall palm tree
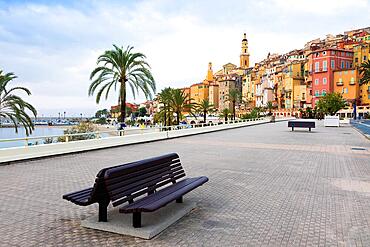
[(179, 103), (269, 106), (165, 97), (225, 114), (365, 73), (122, 68), (233, 96), (14, 107), (205, 107)]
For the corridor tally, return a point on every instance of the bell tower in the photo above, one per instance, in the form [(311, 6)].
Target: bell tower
[(244, 55), (209, 72)]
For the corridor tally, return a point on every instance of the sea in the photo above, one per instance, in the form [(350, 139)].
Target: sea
[(9, 133)]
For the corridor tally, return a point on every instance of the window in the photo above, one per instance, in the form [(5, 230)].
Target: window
[(347, 65), (317, 93), (346, 72), (368, 96), (352, 72), (364, 58), (345, 90), (332, 65), (323, 92), (352, 80), (340, 80), (325, 65), (324, 53), (324, 81), (342, 64), (316, 81), (317, 64), (333, 52)]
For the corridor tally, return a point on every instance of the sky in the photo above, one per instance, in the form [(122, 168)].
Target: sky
[(52, 46)]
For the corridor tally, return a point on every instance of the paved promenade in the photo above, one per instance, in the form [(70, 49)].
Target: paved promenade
[(268, 187)]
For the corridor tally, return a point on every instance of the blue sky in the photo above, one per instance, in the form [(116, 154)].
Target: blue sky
[(52, 45)]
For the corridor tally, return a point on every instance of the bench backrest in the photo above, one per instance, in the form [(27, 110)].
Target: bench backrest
[(126, 182), (304, 124)]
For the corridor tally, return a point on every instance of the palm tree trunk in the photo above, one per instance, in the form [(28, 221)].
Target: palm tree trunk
[(165, 114), (178, 118), (123, 103), (234, 110)]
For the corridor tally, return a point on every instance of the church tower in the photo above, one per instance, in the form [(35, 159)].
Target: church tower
[(244, 55), (209, 72)]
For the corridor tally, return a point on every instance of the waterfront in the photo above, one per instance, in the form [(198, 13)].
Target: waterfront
[(9, 133), (268, 186)]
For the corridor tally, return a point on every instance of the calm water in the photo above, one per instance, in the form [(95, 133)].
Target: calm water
[(9, 133)]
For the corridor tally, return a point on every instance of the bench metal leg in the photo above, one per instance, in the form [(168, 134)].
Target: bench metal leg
[(292, 128), (103, 214), (309, 129), (136, 220), (179, 200)]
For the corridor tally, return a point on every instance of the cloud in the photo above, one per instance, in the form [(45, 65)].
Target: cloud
[(53, 47)]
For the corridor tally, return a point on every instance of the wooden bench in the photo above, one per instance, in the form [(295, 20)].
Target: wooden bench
[(301, 124), (142, 186)]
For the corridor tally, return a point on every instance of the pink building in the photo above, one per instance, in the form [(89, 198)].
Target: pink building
[(322, 64)]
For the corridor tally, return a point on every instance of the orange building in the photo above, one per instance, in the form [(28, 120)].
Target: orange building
[(186, 91), (199, 92), (346, 83)]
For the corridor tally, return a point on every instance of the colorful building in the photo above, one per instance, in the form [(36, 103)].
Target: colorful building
[(323, 63), (346, 83)]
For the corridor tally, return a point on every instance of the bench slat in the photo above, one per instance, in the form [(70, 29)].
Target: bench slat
[(113, 179), (164, 196), (124, 182)]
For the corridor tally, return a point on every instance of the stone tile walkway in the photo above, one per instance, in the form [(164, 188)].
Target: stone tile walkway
[(268, 187)]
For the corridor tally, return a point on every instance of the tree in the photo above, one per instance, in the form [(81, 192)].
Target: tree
[(165, 98), (14, 107), (331, 103), (205, 107), (225, 114), (121, 68), (233, 96), (270, 106), (365, 73), (142, 111), (102, 113), (179, 103)]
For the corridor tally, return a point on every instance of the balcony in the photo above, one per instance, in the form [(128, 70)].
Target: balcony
[(339, 83), (352, 83)]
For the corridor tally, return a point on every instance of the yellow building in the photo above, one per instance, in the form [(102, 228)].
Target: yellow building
[(293, 85), (244, 55), (361, 54), (346, 83), (248, 88), (365, 94)]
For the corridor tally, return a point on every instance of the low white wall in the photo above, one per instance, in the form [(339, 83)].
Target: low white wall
[(24, 153)]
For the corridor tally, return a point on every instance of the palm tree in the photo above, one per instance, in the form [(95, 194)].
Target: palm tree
[(12, 106), (233, 96), (225, 114), (121, 68), (269, 106), (365, 73), (205, 107), (179, 103), (165, 97)]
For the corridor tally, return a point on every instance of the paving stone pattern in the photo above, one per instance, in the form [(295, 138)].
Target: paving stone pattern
[(268, 187)]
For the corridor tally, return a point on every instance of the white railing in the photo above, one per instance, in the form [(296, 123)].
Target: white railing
[(41, 140)]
